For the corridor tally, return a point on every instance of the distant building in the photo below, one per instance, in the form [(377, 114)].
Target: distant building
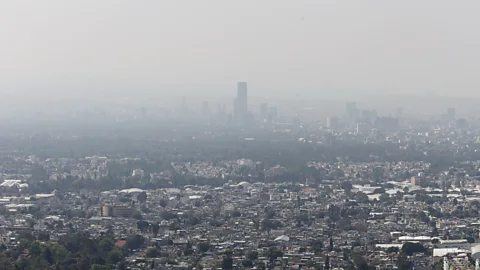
[(362, 128), (386, 123), (415, 181), (264, 111), (116, 211), (352, 111), (369, 116), (107, 210), (241, 104), (461, 123), (333, 122), (451, 114), (399, 113), (272, 114), (138, 173), (275, 171), (246, 162), (205, 109)]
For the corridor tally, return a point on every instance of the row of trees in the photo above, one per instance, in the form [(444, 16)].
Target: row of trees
[(72, 251)]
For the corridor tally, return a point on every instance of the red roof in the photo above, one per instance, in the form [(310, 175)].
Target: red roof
[(120, 243)]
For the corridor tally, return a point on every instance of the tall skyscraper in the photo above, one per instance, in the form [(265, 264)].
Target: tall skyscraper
[(332, 123), (272, 114), (451, 113), (235, 113), (399, 113), (351, 110), (264, 111), (205, 109), (241, 108)]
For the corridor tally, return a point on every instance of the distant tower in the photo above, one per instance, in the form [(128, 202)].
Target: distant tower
[(242, 102), (332, 123), (399, 113), (264, 111), (272, 114), (205, 108), (451, 114), (235, 112), (352, 111)]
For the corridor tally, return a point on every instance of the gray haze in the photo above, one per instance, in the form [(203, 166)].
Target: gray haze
[(323, 47)]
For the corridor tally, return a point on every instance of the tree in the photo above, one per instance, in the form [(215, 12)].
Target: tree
[(155, 227), (152, 252), (347, 186), (203, 247), (43, 236), (142, 197), (274, 253), (411, 248), (393, 249), (106, 245), (188, 252), (168, 215), (384, 197), (302, 218), (163, 203), (227, 263), (361, 197), (360, 262), (403, 263), (137, 215), (247, 263), (122, 266), (236, 214), (326, 265), (252, 255), (268, 225), (269, 213), (134, 242), (316, 245), (100, 267), (115, 256), (142, 225), (344, 224)]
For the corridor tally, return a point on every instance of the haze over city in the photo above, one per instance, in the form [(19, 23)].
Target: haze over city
[(246, 135), (285, 48)]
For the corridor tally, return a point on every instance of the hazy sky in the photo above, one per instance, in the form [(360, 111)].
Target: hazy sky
[(311, 45)]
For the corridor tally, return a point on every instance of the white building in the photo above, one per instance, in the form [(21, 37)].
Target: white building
[(138, 173)]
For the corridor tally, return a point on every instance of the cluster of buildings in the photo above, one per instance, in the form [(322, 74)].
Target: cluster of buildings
[(365, 213)]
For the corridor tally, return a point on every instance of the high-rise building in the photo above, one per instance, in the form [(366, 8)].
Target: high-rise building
[(272, 114), (241, 102), (264, 111), (332, 123), (368, 115), (205, 110), (351, 110), (451, 113), (399, 113), (385, 123), (235, 113)]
